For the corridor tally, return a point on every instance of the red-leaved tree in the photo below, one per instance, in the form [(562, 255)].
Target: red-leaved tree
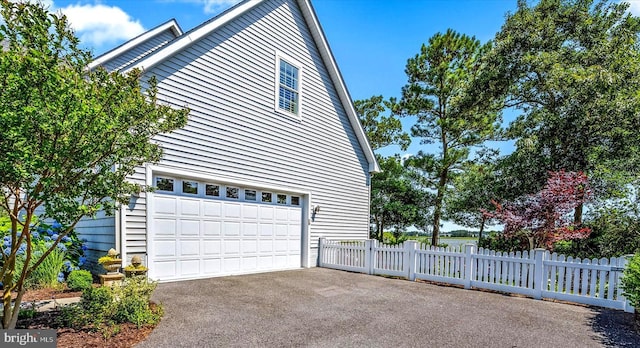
[(546, 216)]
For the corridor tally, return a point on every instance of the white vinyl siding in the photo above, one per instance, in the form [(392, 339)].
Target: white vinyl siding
[(135, 220), (227, 80), (99, 233), (139, 51)]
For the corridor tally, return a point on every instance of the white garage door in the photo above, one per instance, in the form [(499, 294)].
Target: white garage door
[(201, 229)]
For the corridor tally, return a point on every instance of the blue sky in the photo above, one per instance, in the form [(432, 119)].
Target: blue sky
[(370, 39)]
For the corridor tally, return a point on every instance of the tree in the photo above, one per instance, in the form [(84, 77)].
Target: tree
[(572, 68), (69, 137), (381, 130), (543, 217), (396, 202), (473, 190), (439, 78)]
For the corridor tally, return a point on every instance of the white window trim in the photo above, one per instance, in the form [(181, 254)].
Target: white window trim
[(276, 89), (178, 183)]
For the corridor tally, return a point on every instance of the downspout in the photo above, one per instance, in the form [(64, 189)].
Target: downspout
[(120, 238)]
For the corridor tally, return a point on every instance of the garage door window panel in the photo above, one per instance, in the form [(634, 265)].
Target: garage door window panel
[(250, 195), (164, 184), (190, 187), (233, 192), (212, 190)]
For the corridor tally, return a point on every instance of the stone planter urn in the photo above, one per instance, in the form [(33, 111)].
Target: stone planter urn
[(111, 263), (135, 268), (113, 266)]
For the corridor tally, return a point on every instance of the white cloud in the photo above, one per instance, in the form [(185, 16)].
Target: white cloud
[(99, 24), (214, 6), (634, 7), (96, 24)]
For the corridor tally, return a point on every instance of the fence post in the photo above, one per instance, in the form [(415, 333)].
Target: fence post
[(321, 253), (367, 256), (538, 273), (469, 250), (372, 255), (410, 247)]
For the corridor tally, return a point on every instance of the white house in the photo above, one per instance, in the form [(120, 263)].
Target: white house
[(272, 157)]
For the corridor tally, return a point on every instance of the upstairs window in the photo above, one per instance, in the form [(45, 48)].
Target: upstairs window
[(288, 87)]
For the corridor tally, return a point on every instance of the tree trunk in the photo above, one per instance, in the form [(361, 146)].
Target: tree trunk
[(484, 219), (531, 242), (10, 268), (577, 215), (435, 238), (6, 301)]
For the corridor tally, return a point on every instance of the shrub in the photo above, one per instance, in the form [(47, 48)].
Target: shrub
[(28, 312), (98, 301), (498, 242), (93, 310), (139, 287), (73, 316), (100, 308), (79, 280), (394, 239), (48, 274), (631, 281), (138, 311)]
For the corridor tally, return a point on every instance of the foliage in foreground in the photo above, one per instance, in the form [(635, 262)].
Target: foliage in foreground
[(103, 307), (69, 137), (631, 281)]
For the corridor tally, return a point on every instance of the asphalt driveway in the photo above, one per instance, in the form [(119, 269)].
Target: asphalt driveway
[(326, 308)]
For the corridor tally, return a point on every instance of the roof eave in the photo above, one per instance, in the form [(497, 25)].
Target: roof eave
[(192, 36), (168, 25)]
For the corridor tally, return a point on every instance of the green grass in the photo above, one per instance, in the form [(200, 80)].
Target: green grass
[(450, 241)]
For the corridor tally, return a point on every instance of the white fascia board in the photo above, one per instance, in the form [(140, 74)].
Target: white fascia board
[(171, 24), (185, 40), (336, 77)]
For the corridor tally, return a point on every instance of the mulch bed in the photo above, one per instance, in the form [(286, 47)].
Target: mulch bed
[(48, 294), (127, 336)]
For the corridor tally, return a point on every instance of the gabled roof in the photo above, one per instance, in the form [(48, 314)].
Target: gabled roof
[(105, 57), (311, 19)]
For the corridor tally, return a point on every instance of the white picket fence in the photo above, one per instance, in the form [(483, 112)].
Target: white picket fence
[(536, 273)]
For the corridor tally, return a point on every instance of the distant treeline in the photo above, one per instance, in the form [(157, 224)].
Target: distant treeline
[(454, 233)]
